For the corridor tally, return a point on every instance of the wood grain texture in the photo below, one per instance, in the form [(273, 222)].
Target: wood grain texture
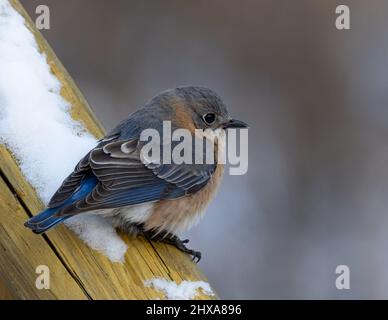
[(22, 252), (78, 272)]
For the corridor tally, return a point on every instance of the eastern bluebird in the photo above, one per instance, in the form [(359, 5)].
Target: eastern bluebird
[(155, 199)]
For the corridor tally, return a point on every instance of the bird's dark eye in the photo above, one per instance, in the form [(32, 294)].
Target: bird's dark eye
[(209, 118)]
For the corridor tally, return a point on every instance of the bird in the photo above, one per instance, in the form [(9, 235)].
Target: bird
[(155, 199)]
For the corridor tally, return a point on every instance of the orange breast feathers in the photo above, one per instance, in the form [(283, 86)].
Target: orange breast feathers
[(180, 214)]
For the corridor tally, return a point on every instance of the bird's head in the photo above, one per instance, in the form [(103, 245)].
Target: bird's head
[(196, 107)]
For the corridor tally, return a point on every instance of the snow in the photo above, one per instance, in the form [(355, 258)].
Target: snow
[(99, 234), (186, 290), (36, 126)]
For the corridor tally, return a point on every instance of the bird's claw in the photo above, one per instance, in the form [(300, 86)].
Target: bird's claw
[(176, 242), (196, 255)]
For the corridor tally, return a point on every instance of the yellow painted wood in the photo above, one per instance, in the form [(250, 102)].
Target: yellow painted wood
[(81, 271), (22, 252)]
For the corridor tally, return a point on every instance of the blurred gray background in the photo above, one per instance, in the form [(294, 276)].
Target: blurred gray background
[(316, 192)]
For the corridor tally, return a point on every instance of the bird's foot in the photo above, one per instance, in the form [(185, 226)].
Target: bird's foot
[(181, 245), (176, 242)]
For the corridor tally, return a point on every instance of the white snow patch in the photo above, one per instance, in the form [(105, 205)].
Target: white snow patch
[(186, 290), (36, 126), (99, 234)]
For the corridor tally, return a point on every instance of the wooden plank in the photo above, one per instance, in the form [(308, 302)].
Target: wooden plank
[(97, 277), (22, 252)]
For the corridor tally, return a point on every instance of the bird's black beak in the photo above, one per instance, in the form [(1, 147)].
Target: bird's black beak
[(235, 124)]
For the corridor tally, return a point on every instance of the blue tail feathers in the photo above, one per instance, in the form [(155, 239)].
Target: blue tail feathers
[(45, 220), (49, 217)]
